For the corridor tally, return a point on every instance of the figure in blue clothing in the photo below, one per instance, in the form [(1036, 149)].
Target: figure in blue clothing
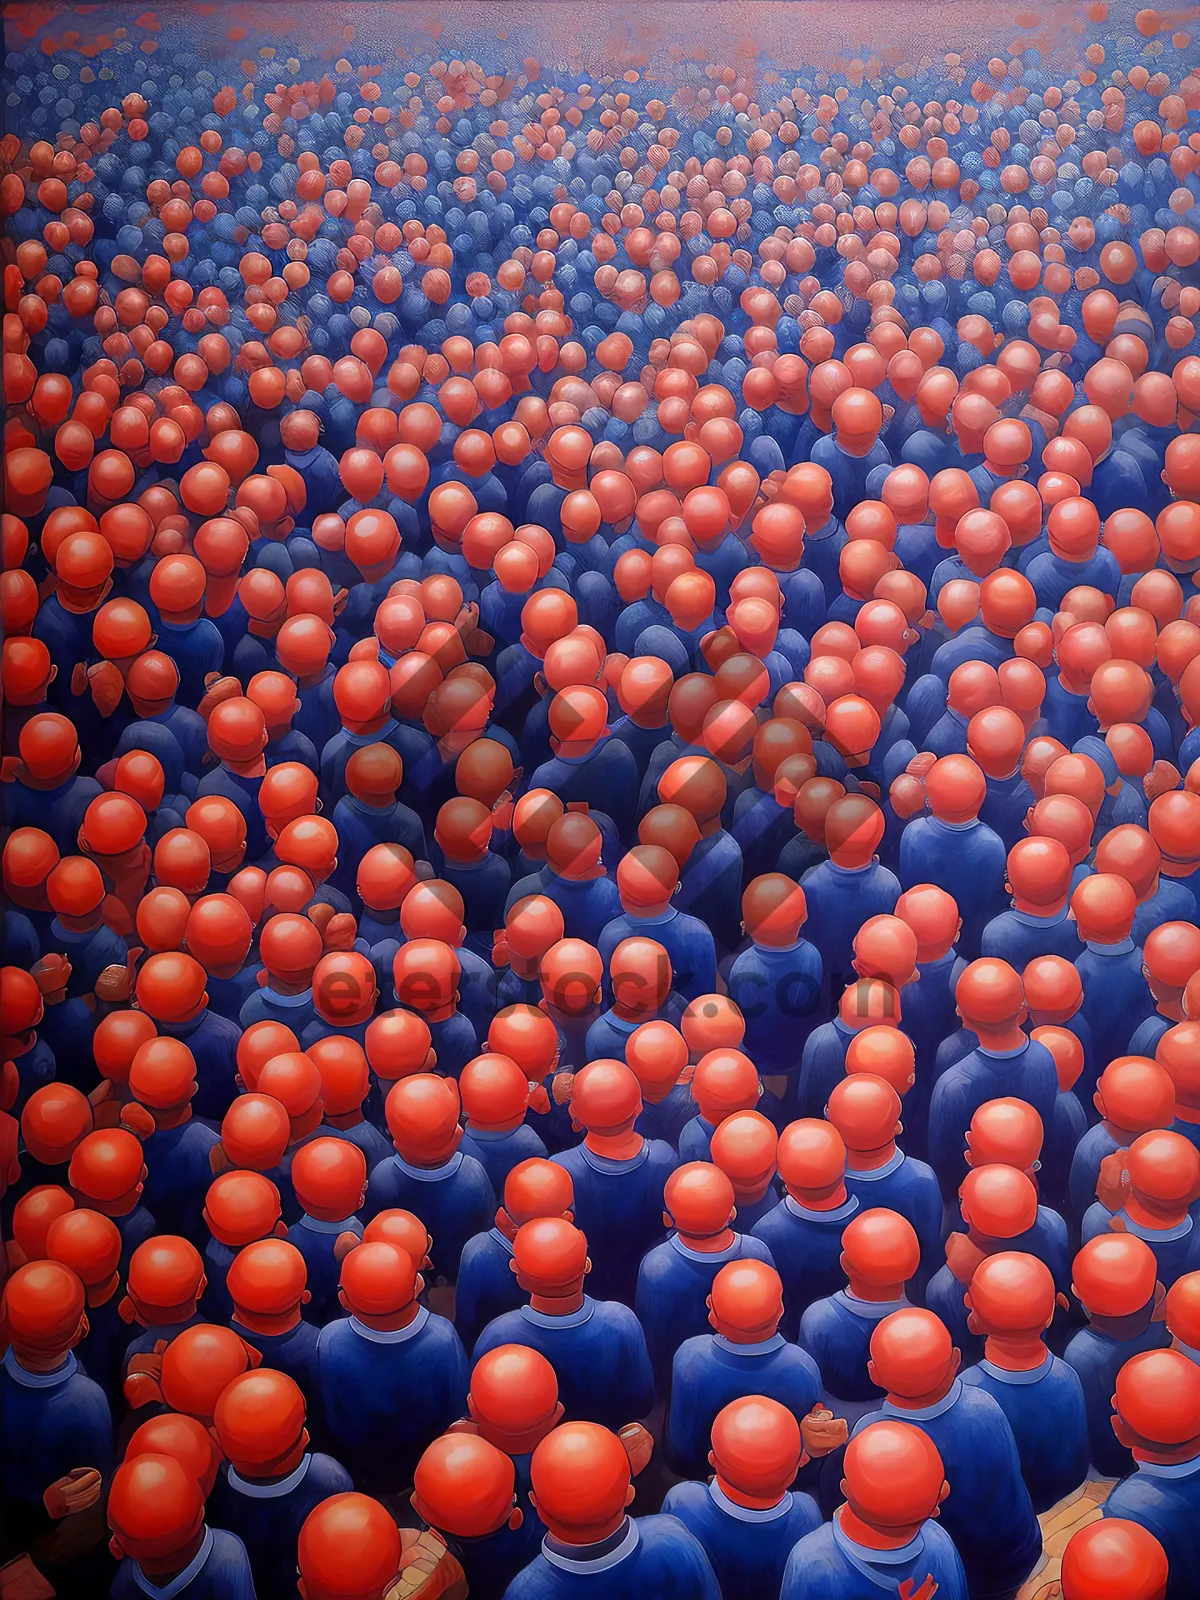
[(596, 1347), (746, 1516), (880, 1254), (776, 981), (1156, 1182), (1116, 999), (990, 999), (329, 1179), (954, 849), (724, 1081), (429, 1174), (1011, 1300), (1114, 1278), (988, 1513), (581, 1487), (675, 1277), (56, 1428), (467, 1490), (1038, 922), (393, 1376), (156, 1513), (618, 1176), (849, 887), (865, 1110), (487, 1286), (270, 1479), (745, 1355), (1134, 1095), (884, 1537), (647, 878), (267, 1287), (1000, 1211), (496, 1097), (1157, 1405), (804, 1231)]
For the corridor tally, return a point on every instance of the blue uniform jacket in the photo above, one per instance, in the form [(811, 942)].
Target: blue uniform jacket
[(988, 1512), (778, 991), (1018, 936), (619, 1206), (1047, 1414), (708, 1372), (806, 1247), (220, 1570), (1027, 1073), (387, 1396), (267, 1517), (826, 1565), (652, 1558), (687, 941), (836, 1332), (1166, 1501), (598, 1354), (454, 1201), (967, 860), (1097, 1358), (672, 1293), (748, 1548)]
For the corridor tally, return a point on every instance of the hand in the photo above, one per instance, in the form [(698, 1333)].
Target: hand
[(1112, 1181), (51, 973), (340, 931), (107, 686), (321, 914), (561, 1087), (138, 1120), (344, 1243), (143, 1380), (21, 1580), (428, 1570), (76, 1492), (921, 763), (1161, 779), (218, 1161), (909, 1590), (907, 794), (639, 1446), (822, 1432)]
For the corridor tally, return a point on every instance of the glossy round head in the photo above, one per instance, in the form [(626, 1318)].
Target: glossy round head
[(538, 1188), (349, 1549), (329, 1177), (710, 1022), (259, 1422), (422, 1116), (854, 827), (378, 1280), (1182, 1308), (1158, 1400), (1114, 1275), (464, 1486), (1011, 1293), (699, 1199), (932, 914), (998, 1201), (880, 1249), (1114, 1559), (155, 1508), (811, 1157), (1104, 906), (883, 1052), (197, 1365), (912, 1353), (756, 1448), (893, 1475), (988, 995), (1006, 1130)]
